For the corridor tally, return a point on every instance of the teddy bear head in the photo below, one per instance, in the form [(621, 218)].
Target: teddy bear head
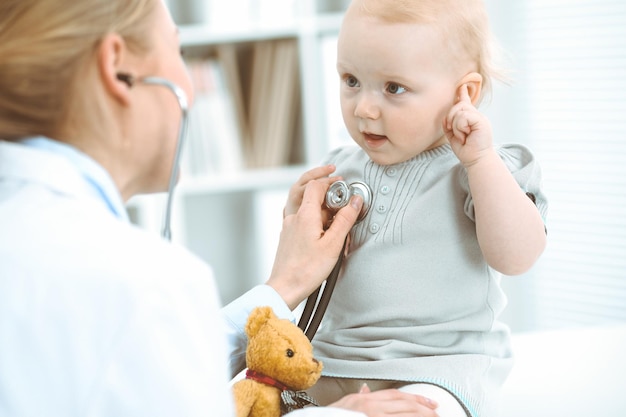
[(279, 349)]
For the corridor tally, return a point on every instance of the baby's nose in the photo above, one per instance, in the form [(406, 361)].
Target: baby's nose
[(367, 108)]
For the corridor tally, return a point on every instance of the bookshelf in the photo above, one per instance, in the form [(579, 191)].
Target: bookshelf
[(260, 119)]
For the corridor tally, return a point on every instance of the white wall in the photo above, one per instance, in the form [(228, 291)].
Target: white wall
[(568, 103)]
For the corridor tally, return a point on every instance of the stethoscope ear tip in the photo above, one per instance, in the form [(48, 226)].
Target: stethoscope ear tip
[(125, 78)]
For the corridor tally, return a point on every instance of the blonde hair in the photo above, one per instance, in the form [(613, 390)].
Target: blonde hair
[(464, 25), (43, 47)]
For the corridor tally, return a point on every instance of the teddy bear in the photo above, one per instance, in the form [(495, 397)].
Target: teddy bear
[(280, 365)]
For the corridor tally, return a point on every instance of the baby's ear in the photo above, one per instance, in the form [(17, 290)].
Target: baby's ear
[(474, 82), (257, 319)]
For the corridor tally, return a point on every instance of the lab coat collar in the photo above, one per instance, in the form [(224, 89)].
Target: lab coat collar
[(62, 168)]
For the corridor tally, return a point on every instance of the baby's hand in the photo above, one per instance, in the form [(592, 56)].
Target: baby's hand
[(467, 130), (294, 200)]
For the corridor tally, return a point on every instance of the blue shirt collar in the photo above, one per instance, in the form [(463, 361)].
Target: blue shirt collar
[(102, 185)]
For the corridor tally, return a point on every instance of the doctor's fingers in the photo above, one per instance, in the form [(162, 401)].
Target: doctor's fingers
[(312, 200), (388, 403), (316, 173), (343, 220), (394, 395), (296, 192)]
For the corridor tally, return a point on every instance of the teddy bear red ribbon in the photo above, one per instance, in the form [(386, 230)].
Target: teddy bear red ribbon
[(290, 399)]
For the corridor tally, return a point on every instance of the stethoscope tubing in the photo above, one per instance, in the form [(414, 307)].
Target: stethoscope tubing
[(181, 98), (308, 324), (183, 103)]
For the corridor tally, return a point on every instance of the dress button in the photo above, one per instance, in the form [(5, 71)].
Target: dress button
[(391, 172), (385, 189), (374, 228), (381, 208)]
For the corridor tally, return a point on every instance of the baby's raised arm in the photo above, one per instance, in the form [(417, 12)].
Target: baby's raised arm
[(509, 227)]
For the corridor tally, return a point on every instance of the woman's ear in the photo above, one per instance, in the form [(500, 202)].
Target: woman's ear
[(110, 53), (474, 82)]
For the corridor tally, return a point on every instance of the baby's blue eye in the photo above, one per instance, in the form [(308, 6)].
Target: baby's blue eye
[(351, 81), (394, 88)]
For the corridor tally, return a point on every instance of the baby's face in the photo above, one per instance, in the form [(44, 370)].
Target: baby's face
[(397, 84)]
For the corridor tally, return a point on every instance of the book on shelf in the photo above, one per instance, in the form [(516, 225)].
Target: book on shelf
[(214, 132), (273, 103), (246, 113)]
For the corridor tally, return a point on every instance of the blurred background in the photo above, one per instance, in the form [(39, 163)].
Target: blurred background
[(267, 109)]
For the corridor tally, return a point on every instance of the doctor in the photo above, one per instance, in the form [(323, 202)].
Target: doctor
[(98, 318)]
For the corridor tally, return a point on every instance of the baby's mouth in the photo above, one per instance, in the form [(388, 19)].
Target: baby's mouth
[(374, 140)]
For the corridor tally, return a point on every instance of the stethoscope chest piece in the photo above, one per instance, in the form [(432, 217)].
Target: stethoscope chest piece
[(340, 192)]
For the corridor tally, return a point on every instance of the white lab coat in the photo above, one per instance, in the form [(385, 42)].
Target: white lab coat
[(97, 317)]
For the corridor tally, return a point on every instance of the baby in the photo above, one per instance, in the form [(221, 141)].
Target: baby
[(418, 300)]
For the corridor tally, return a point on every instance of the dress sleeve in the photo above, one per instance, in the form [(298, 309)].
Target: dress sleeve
[(526, 171), (336, 155)]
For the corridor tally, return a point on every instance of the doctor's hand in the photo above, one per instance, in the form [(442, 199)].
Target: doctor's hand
[(388, 402), (307, 252), (296, 192)]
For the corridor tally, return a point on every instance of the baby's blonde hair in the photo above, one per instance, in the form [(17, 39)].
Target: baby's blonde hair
[(463, 23), (44, 44)]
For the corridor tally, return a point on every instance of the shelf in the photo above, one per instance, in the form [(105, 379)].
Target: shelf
[(199, 35), (244, 181)]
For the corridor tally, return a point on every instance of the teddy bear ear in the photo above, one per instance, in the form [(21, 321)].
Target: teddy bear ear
[(257, 319)]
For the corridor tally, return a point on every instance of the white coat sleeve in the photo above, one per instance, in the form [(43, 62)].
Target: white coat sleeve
[(236, 314)]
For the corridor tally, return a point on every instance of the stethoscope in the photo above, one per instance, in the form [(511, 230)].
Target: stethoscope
[(337, 196), (183, 103)]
